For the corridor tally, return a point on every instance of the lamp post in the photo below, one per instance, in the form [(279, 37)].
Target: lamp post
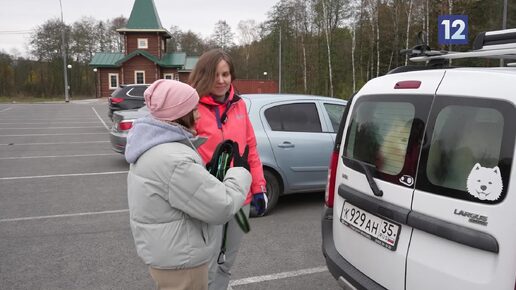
[(67, 97), (70, 82), (265, 75), (96, 90)]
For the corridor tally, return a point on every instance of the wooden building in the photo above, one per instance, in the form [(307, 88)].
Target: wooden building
[(144, 58)]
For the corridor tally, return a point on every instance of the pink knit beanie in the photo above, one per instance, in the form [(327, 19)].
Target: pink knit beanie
[(170, 100)]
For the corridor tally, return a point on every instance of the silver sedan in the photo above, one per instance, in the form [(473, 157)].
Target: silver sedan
[(295, 136)]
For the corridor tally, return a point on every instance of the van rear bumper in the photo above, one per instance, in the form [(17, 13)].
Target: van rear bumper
[(341, 269)]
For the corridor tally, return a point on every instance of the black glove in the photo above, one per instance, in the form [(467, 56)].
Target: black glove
[(240, 161)]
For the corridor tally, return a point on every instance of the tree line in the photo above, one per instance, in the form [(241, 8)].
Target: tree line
[(323, 47)]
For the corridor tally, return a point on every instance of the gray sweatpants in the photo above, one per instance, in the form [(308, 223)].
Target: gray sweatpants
[(219, 275)]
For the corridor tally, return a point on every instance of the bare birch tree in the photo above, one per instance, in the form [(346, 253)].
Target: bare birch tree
[(302, 24), (222, 35), (409, 15), (326, 20), (248, 33)]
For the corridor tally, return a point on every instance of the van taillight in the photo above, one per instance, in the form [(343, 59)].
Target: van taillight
[(329, 194)]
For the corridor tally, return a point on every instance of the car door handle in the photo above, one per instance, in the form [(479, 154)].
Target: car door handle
[(286, 145)]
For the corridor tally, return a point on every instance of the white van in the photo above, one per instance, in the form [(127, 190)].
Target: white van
[(419, 191)]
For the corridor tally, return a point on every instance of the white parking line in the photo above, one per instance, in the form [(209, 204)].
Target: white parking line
[(57, 156), (6, 109), (107, 128), (62, 215), (55, 143), (283, 275), (62, 175), (41, 128), (54, 134)]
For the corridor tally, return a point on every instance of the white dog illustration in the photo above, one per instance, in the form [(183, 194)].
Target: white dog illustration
[(485, 183)]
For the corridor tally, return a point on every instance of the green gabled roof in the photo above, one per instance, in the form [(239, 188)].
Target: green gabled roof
[(190, 63), (139, 52), (144, 16), (106, 59), (176, 59)]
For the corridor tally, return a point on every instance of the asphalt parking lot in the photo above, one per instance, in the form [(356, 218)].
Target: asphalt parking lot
[(64, 218)]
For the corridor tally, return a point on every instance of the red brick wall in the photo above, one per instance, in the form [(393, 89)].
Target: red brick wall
[(140, 63), (256, 86), (103, 81), (183, 76), (168, 71), (153, 43)]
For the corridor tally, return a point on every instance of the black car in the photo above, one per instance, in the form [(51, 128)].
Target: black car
[(127, 97)]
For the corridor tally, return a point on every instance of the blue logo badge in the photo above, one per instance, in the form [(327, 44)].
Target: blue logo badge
[(452, 29)]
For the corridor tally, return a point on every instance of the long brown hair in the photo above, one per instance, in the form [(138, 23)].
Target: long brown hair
[(187, 121), (203, 75)]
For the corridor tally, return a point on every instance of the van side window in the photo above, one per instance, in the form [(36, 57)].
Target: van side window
[(463, 136)]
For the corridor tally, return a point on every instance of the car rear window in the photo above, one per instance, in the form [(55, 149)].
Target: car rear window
[(470, 149), (299, 117), (117, 92), (335, 113), (136, 91)]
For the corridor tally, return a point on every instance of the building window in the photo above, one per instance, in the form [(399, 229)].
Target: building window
[(113, 81), (139, 77), (168, 76), (143, 43)]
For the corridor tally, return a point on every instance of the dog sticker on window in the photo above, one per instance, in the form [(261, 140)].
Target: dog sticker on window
[(485, 183)]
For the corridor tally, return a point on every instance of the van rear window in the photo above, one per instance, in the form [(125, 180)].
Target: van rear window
[(463, 136), (385, 132), (469, 153), (379, 134)]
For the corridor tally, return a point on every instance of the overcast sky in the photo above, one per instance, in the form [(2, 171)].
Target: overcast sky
[(19, 17)]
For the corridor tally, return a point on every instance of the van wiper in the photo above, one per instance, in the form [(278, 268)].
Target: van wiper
[(366, 167)]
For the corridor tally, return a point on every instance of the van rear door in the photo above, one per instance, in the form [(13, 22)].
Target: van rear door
[(463, 211), (376, 174)]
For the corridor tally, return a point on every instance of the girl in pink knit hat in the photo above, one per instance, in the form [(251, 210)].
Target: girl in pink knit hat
[(174, 202)]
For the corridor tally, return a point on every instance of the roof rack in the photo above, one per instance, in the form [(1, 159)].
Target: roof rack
[(499, 44)]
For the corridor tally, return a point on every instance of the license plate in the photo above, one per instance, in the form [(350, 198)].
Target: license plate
[(379, 230)]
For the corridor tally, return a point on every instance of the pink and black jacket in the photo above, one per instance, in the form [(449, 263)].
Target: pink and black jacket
[(229, 120)]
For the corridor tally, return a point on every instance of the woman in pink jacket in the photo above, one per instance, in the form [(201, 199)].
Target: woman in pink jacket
[(223, 115)]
